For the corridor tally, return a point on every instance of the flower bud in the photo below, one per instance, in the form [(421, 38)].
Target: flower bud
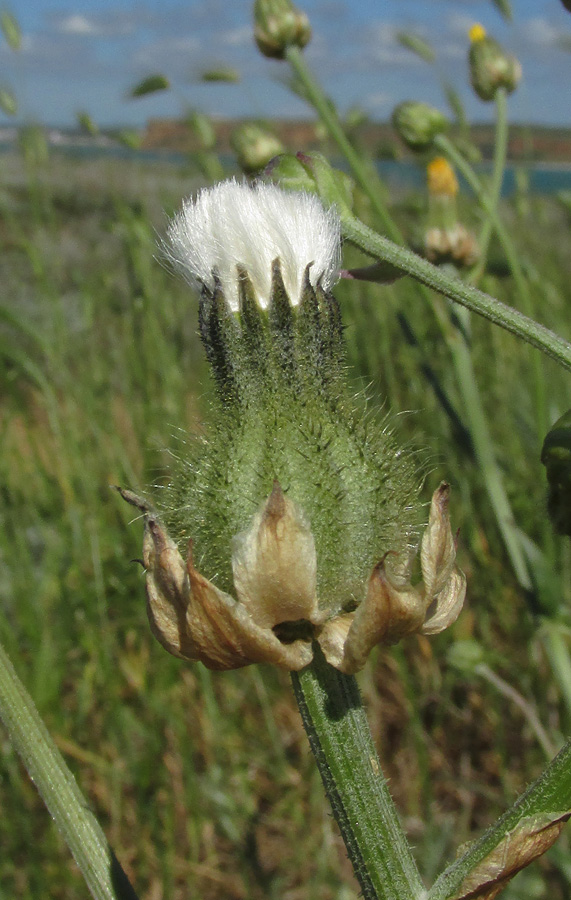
[(300, 512), (279, 25), (254, 146), (417, 124), (490, 66), (441, 178)]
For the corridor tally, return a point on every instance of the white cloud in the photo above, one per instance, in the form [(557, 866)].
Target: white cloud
[(384, 47), (237, 37), (76, 24), (459, 24), (378, 101), (541, 32), (172, 54), (113, 24)]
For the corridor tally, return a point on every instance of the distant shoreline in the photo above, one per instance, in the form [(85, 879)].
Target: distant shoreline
[(540, 145), (401, 176)]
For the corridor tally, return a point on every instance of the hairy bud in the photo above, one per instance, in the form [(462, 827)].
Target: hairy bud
[(417, 124), (278, 24), (491, 67), (296, 520), (254, 146)]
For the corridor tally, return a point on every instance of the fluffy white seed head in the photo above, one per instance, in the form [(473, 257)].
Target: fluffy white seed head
[(234, 224)]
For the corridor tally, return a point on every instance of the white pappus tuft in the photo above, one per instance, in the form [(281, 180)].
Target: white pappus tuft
[(236, 224)]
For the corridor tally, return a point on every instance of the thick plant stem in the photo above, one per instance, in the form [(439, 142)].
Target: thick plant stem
[(477, 301), (46, 767), (339, 735)]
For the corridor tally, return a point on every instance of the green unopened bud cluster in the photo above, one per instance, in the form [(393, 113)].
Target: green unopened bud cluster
[(278, 24), (417, 124), (491, 67)]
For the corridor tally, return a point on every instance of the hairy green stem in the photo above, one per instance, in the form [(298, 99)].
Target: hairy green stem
[(57, 786), (477, 301), (339, 735)]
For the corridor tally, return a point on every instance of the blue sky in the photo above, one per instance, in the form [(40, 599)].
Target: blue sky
[(86, 54)]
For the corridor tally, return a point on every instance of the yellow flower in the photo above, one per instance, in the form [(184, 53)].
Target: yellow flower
[(476, 33), (441, 177)]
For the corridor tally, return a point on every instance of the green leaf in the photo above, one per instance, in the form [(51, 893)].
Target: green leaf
[(150, 85), (58, 788), (228, 75), (417, 45), (455, 103), (8, 102), (505, 8), (86, 123), (130, 139), (10, 30)]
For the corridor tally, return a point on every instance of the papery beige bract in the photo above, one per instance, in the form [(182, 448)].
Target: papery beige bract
[(392, 607), (274, 573), (276, 617)]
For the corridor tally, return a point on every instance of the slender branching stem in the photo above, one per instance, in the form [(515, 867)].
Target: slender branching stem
[(470, 297)]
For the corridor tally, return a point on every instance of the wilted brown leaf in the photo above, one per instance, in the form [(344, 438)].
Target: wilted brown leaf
[(532, 837)]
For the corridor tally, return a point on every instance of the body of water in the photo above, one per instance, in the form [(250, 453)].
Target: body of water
[(544, 178)]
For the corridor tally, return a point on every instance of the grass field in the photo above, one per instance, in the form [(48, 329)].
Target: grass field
[(204, 782)]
